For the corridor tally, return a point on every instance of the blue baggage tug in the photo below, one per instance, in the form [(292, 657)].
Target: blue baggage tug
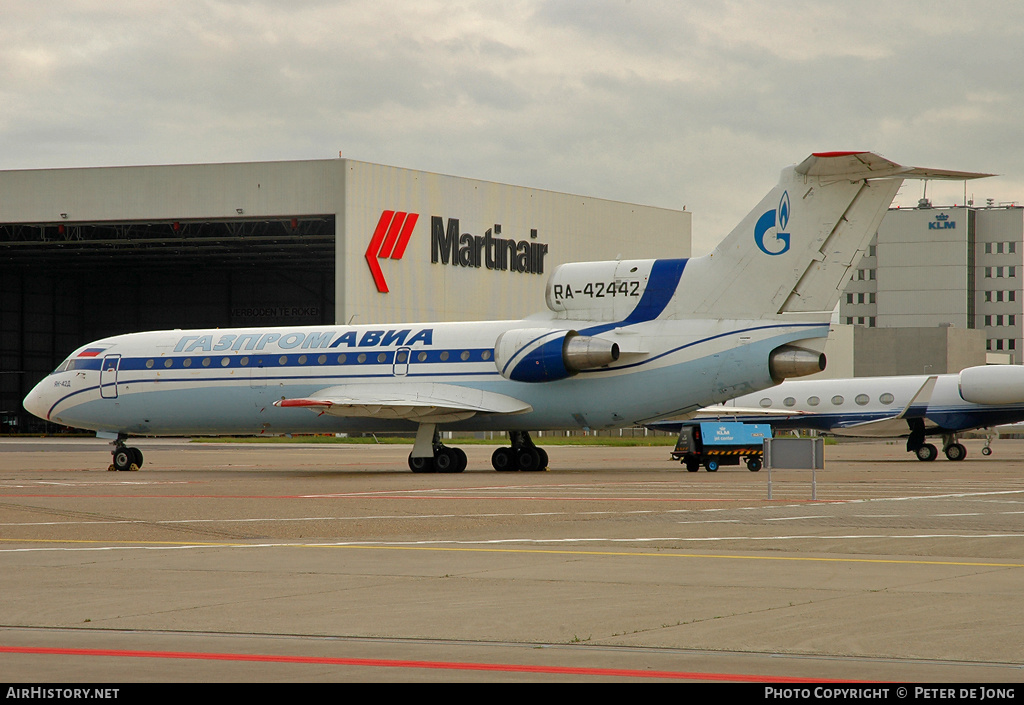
[(716, 443)]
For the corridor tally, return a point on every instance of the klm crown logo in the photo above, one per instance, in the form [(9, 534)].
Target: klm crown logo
[(942, 222)]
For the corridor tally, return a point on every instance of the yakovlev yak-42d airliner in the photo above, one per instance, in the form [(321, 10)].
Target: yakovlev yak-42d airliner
[(624, 342)]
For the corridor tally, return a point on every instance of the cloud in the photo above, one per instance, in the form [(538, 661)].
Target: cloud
[(662, 103)]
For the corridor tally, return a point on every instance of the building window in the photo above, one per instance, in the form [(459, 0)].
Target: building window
[(1011, 272), (860, 298), (871, 250), (988, 272), (1011, 248), (988, 248), (871, 322), (849, 298), (988, 321)]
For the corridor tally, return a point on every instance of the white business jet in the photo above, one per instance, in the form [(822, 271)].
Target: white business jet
[(624, 342), (912, 407)]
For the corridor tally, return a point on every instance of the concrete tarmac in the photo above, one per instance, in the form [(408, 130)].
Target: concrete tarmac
[(301, 563)]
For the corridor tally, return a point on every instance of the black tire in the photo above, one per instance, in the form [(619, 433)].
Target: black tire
[(502, 460), (986, 451), (461, 460), (711, 465), (445, 460), (927, 452), (123, 458), (692, 465), (543, 458), (136, 457), (528, 459), (753, 464), (421, 464), (956, 451)]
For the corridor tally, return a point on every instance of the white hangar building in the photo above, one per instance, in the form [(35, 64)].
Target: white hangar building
[(91, 252)]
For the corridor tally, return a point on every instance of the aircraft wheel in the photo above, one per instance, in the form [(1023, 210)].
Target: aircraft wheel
[(502, 460), (124, 459), (986, 451), (692, 465), (460, 459), (927, 452), (956, 451), (421, 464), (711, 465), (528, 459), (136, 457), (753, 464), (446, 460), (543, 458)]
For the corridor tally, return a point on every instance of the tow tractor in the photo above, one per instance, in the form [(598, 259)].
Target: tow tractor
[(716, 443)]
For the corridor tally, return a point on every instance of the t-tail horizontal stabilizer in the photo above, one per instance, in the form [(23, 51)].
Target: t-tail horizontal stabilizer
[(793, 252)]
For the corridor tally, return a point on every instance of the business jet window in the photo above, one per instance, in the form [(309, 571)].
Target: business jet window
[(149, 364), (813, 401), (382, 357), (444, 356), (421, 357), (464, 355), (766, 402), (861, 399), (244, 362), (837, 399), (402, 356), (187, 362), (486, 355), (789, 401), (168, 362), (302, 359), (341, 359), (225, 361), (320, 360), (886, 398), (362, 358), (283, 360)]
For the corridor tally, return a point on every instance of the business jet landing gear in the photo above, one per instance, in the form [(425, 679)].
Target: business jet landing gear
[(441, 458), (521, 455), (953, 449), (124, 458)]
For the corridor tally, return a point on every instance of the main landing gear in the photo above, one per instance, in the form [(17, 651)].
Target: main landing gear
[(123, 458), (951, 447), (430, 455), (521, 455), (443, 458)]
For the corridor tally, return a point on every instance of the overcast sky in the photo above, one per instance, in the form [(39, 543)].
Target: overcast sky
[(661, 103)]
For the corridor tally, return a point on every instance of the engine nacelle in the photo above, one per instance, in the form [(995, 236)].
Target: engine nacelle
[(992, 384), (546, 355), (788, 361)]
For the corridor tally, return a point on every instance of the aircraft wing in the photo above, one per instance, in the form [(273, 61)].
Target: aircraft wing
[(427, 402), (719, 410)]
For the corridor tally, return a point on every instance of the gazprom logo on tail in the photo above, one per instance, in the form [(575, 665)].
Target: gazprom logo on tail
[(768, 220)]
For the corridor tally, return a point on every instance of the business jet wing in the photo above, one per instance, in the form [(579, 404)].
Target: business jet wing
[(894, 425), (426, 402), (719, 410)]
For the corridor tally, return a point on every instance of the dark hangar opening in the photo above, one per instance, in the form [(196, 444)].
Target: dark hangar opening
[(65, 284)]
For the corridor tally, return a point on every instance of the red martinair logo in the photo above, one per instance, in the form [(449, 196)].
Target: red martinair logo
[(388, 242)]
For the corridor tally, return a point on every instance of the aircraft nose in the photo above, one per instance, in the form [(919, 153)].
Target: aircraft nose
[(36, 402)]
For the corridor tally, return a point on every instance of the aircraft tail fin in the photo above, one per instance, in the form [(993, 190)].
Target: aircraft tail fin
[(792, 253)]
